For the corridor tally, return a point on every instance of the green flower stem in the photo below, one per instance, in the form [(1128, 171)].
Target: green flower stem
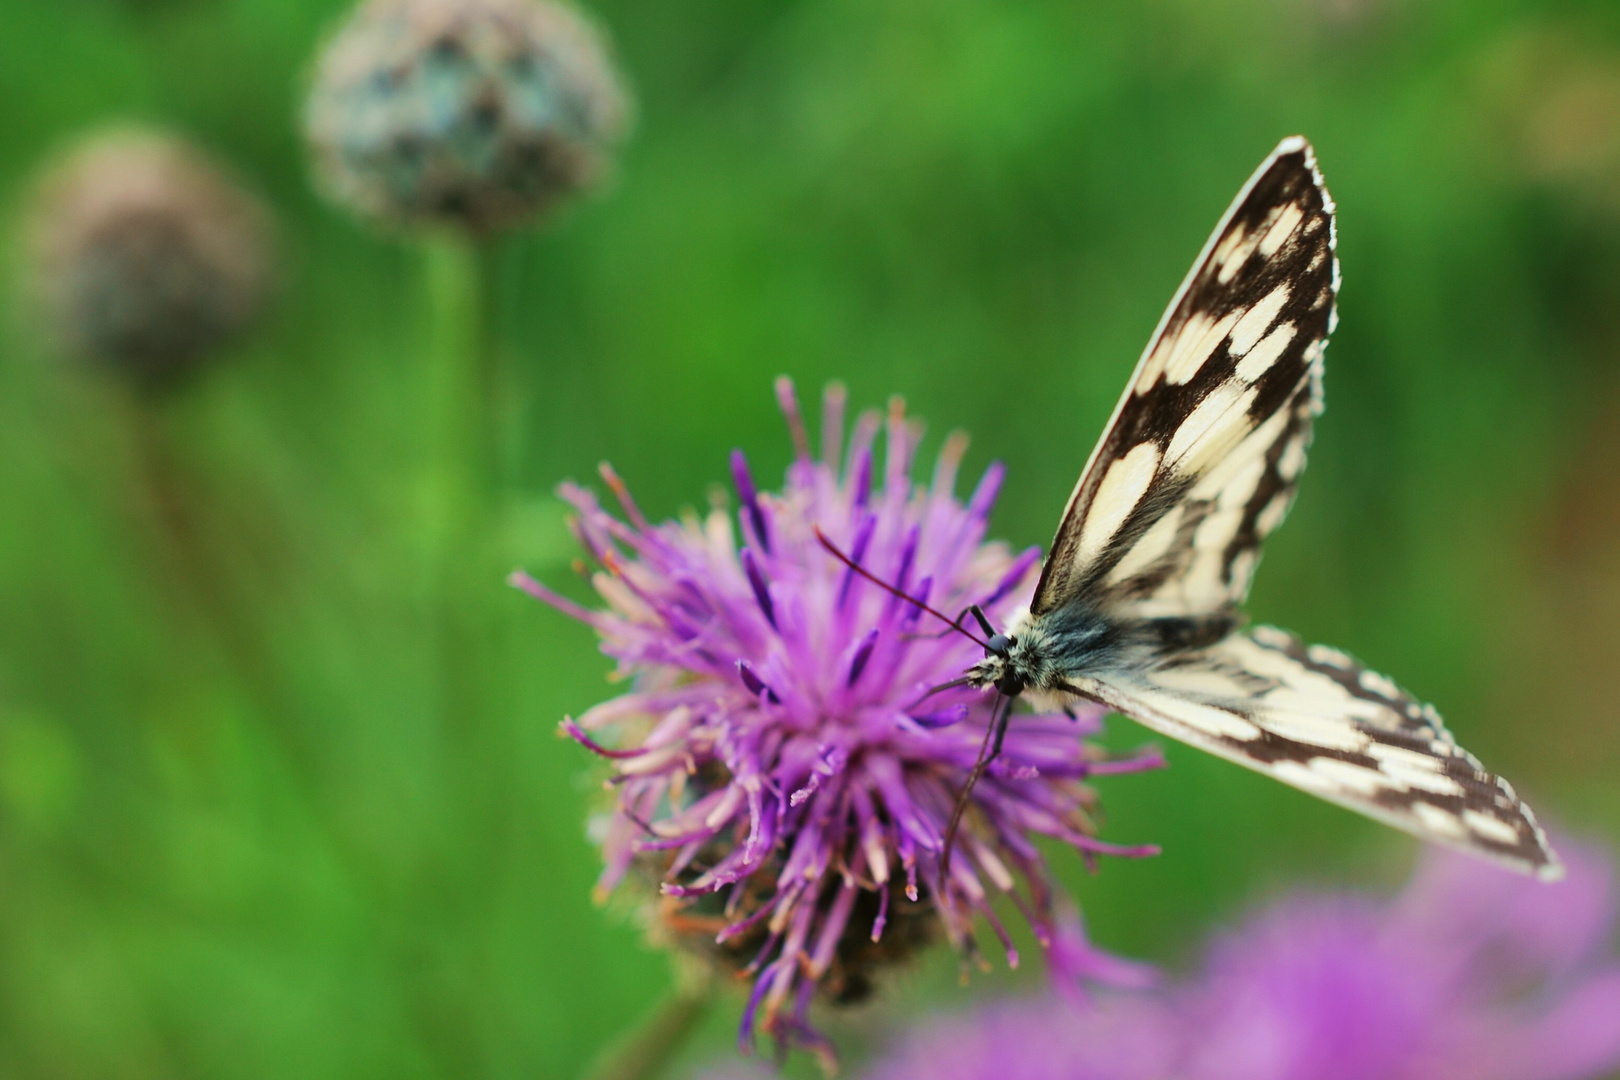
[(466, 383), (465, 404), (465, 505), (195, 572), (647, 1051)]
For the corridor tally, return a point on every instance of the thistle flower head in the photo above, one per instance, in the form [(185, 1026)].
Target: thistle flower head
[(479, 114), (146, 256), (780, 769), (1470, 974)]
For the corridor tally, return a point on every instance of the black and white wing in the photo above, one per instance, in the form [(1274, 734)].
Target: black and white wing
[(1163, 531), (1316, 719), (1204, 451)]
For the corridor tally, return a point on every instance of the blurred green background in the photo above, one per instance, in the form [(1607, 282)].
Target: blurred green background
[(236, 837)]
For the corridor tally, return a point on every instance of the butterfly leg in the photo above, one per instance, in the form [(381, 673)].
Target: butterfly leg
[(1000, 714), (954, 628), (931, 691), (956, 624), (1001, 734)]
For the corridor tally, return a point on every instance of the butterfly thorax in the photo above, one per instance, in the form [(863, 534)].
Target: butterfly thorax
[(1044, 652)]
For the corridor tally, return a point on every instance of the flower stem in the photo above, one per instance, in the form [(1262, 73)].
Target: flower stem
[(465, 382), (647, 1051), (465, 504), (185, 522)]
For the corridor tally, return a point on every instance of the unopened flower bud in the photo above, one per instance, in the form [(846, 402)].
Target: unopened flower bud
[(146, 258), (477, 114)]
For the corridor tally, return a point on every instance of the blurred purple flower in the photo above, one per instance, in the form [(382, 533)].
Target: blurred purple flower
[(778, 768), (1051, 1038), (1471, 973)]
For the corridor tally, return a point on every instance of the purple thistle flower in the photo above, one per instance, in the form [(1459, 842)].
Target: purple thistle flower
[(780, 768), (1471, 973)]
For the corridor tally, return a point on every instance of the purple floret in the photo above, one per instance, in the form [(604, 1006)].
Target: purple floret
[(779, 768)]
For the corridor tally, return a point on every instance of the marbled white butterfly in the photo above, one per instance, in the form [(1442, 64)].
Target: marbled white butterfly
[(1137, 604)]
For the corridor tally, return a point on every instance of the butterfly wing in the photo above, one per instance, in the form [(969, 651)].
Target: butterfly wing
[(1162, 534), (1205, 448), (1318, 720)]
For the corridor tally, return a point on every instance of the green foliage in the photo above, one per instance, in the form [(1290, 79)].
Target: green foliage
[(240, 832)]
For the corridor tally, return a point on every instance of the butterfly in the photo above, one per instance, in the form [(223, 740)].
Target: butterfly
[(1137, 603)]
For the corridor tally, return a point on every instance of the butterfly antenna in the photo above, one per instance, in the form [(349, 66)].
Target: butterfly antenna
[(907, 597), (999, 715)]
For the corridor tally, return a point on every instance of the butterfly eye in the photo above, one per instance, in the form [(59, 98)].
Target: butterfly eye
[(998, 645)]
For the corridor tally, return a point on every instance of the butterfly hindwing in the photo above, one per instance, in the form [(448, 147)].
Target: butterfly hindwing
[(1320, 721), (1205, 448)]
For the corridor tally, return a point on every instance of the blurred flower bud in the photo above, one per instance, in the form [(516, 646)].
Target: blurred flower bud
[(145, 256), (480, 114)]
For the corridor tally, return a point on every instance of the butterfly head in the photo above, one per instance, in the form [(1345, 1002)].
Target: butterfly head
[(999, 667)]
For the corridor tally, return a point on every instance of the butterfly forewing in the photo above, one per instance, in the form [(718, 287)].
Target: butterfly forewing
[(1205, 448), (1318, 720)]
